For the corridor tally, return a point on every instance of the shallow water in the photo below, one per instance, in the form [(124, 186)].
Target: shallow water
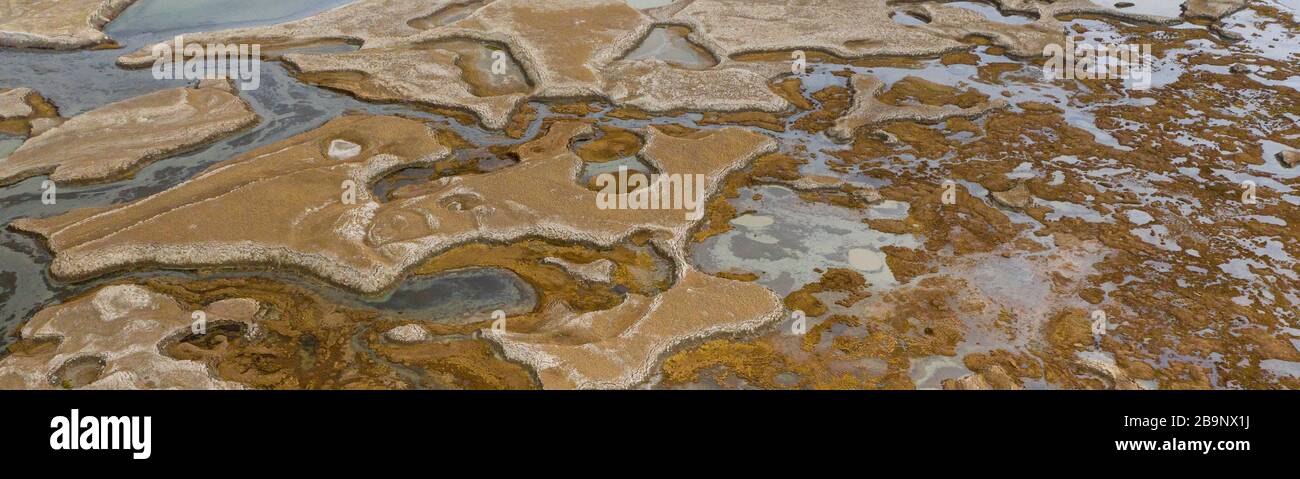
[(904, 18), (930, 372), (631, 163), (1270, 39), (476, 60), (79, 81), (789, 237), (671, 45), (447, 15), (167, 17), (466, 295), (644, 4), (8, 145)]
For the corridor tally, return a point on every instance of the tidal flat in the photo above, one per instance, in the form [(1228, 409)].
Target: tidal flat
[(412, 195)]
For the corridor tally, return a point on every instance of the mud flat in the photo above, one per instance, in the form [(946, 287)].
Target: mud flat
[(293, 178), (1211, 9), (57, 24), (620, 347), (299, 219), (24, 112), (255, 333), (672, 45), (856, 29), (867, 110), (112, 141), (564, 49), (1053, 227), (437, 81), (610, 50), (1069, 199), (113, 339), (14, 104), (302, 220)]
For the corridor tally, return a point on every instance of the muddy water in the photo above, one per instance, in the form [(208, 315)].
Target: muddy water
[(466, 295), (671, 45), (448, 14)]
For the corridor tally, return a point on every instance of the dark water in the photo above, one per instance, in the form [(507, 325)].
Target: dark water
[(465, 295)]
